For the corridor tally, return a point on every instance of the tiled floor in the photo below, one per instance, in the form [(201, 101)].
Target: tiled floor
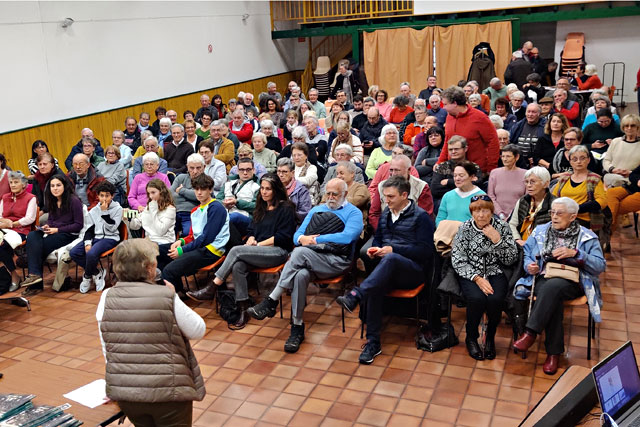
[(251, 381)]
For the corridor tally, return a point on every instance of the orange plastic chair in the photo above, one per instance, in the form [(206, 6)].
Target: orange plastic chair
[(124, 235), (271, 270), (208, 269)]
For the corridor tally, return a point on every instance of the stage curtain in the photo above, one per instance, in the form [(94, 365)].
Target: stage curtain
[(394, 56), (454, 45)]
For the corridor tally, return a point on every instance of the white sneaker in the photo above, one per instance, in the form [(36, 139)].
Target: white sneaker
[(99, 280), (85, 285)]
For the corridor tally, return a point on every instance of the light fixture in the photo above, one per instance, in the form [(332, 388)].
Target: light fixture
[(244, 18), (67, 22)]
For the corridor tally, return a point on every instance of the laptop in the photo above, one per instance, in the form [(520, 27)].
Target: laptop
[(617, 383)]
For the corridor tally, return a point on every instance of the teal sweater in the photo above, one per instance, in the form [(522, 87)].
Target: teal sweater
[(455, 207)]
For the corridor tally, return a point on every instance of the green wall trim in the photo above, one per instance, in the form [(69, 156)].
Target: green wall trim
[(526, 16)]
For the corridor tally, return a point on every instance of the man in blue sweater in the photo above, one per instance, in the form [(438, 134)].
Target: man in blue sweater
[(403, 244), (324, 249), (207, 238)]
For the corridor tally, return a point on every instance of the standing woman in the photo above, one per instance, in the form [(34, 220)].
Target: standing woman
[(38, 147), (18, 210), (150, 339), (481, 247), (345, 81), (158, 219), (270, 240), (506, 184), (64, 223)]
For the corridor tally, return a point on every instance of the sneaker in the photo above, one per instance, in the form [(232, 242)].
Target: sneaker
[(266, 308), (31, 279), (349, 301), (85, 285), (98, 279), (295, 339), (369, 352), (14, 287)]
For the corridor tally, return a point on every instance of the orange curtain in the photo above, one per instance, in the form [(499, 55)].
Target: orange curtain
[(394, 56), (406, 54), (454, 45)]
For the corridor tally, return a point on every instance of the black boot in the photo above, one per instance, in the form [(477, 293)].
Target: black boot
[(490, 349), (207, 293), (474, 349), (244, 316), (295, 339)]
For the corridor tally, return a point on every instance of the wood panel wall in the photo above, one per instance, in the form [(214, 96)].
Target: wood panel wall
[(61, 136)]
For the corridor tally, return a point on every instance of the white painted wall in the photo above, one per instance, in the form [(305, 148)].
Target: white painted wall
[(428, 7), (607, 40), (123, 53)]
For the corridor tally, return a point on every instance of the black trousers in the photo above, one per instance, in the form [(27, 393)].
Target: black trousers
[(478, 303), (548, 310), (186, 265), (161, 414)]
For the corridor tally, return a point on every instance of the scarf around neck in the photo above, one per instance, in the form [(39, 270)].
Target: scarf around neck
[(567, 238)]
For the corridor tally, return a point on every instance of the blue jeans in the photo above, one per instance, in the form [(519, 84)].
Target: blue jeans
[(89, 260), (183, 223), (240, 221), (393, 271)]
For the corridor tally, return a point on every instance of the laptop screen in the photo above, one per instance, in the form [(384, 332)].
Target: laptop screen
[(618, 382)]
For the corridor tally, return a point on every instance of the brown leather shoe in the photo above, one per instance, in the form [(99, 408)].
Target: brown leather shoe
[(244, 316), (205, 294), (550, 366), (526, 340)]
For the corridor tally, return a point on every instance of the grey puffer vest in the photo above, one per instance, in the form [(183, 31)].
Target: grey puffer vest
[(148, 358)]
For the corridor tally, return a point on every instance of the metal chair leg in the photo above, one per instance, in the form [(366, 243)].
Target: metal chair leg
[(590, 331)]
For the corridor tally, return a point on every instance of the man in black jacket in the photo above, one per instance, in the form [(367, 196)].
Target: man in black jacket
[(77, 148), (526, 133), (402, 245), (371, 130), (177, 151)]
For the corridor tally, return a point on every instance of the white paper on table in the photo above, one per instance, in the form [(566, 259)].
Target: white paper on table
[(91, 395)]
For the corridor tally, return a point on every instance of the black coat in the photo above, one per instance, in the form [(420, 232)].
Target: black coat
[(517, 72)]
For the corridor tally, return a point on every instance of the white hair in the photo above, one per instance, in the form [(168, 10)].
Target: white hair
[(497, 121), (165, 121), (571, 205), (517, 54), (539, 172), (386, 129), (344, 147), (195, 158), (518, 94), (151, 157)]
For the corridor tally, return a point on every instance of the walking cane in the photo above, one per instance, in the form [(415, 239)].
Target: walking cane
[(533, 288)]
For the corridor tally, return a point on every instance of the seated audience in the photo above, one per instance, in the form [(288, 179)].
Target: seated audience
[(397, 258), (561, 161), (316, 141), (63, 225), (527, 132), (442, 180), (400, 109), (114, 172), (381, 105), (357, 193), (212, 166), (297, 192), (46, 169), (164, 391), (18, 211), (418, 126), (517, 109), (131, 133), (428, 156), (371, 131), (272, 133), (184, 195), (534, 207), (305, 172), (270, 238), (126, 155), (495, 90), (587, 78), (78, 148), (261, 154), (428, 91), (599, 134), (455, 203), (342, 153), (89, 149), (359, 120), (204, 131), (474, 100), (239, 195), (345, 137), (436, 111), (333, 226), (533, 90), (101, 236), (137, 197), (240, 127), (553, 140), (160, 113), (599, 102), (388, 139), (206, 240), (564, 241), (419, 190), (224, 148), (570, 109), (38, 147), (178, 150), (482, 247), (150, 145), (85, 178), (190, 135), (506, 184), (164, 132), (503, 107), (158, 219), (246, 152)]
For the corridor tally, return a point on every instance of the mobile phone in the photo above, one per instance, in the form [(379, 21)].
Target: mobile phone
[(39, 228)]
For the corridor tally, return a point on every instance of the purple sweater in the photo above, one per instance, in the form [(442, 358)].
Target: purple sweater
[(505, 189), (70, 221), (138, 191)]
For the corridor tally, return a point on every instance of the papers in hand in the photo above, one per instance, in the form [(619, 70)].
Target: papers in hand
[(91, 395)]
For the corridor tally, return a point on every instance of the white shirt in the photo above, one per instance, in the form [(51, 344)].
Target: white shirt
[(395, 217)]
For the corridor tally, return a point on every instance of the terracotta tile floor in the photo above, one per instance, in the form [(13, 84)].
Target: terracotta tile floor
[(251, 381)]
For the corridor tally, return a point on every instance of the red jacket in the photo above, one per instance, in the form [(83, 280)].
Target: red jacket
[(244, 134), (571, 110), (425, 201), (592, 82), (482, 139)]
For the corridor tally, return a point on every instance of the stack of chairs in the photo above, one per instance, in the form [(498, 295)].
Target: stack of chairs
[(572, 55)]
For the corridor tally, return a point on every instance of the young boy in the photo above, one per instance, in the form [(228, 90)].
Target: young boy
[(207, 238), (101, 236)]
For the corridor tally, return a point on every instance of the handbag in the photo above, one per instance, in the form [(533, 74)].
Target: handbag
[(555, 269)]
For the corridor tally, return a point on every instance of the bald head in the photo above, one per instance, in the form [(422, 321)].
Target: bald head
[(81, 164), (336, 192)]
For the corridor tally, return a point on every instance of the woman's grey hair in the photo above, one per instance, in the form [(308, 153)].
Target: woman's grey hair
[(518, 94), (459, 138), (344, 147), (165, 121), (602, 98), (144, 135), (496, 120), (179, 126), (18, 175), (578, 149), (266, 123), (571, 205), (151, 157), (299, 132), (286, 161), (195, 158), (350, 167), (132, 259), (119, 132), (260, 135), (386, 129), (475, 96), (539, 172)]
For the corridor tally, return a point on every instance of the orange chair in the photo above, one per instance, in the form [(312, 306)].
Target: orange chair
[(271, 270), (124, 235), (341, 279), (208, 269), (572, 55)]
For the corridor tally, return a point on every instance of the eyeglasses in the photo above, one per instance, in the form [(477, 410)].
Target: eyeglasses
[(245, 170), (481, 197), (557, 213)]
